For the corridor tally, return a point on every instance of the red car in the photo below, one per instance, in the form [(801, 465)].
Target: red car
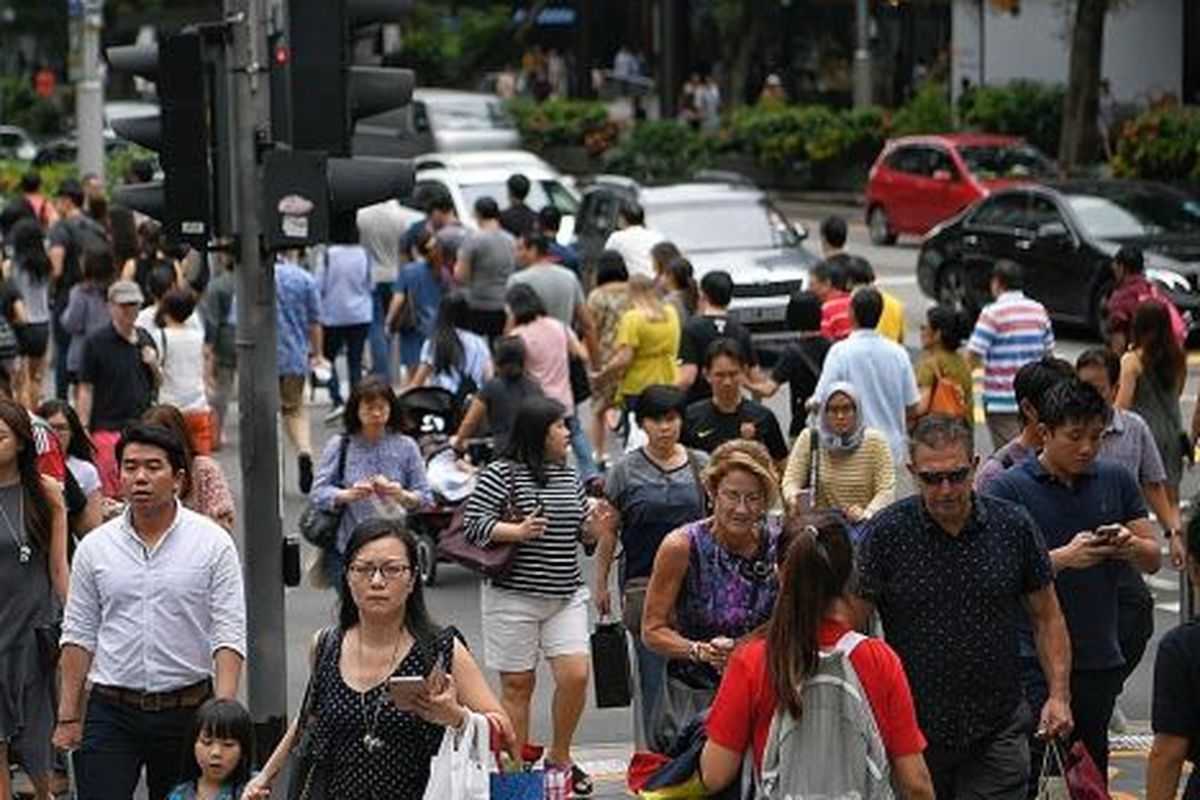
[(919, 181)]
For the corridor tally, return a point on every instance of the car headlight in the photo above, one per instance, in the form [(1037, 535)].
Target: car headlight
[(1172, 281)]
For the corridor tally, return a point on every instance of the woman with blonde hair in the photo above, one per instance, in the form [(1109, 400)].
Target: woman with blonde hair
[(713, 581), (647, 343)]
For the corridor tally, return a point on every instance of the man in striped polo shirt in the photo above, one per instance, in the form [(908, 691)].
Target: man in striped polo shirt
[(1010, 332)]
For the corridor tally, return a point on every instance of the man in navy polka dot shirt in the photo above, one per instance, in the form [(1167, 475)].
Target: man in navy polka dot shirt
[(954, 575)]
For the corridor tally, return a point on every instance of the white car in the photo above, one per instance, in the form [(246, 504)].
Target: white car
[(437, 120), (470, 176)]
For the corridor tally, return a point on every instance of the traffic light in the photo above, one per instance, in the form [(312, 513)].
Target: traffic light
[(326, 93), (181, 134)]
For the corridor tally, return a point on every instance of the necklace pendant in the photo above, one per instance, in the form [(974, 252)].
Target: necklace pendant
[(24, 554), (372, 742)]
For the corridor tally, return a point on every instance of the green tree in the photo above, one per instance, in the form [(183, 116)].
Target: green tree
[(1080, 143)]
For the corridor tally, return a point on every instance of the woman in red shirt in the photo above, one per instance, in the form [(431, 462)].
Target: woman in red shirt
[(812, 613)]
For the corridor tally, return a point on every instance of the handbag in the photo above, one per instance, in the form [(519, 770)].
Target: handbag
[(494, 561), (302, 774), (459, 769), (405, 319), (947, 396), (319, 526), (684, 694), (610, 665), (1083, 778), (581, 387)]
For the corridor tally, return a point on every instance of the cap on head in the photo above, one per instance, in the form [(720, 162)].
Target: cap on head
[(122, 292)]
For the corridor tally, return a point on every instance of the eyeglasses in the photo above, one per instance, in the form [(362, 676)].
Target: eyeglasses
[(749, 499), (841, 411), (367, 572), (951, 476)]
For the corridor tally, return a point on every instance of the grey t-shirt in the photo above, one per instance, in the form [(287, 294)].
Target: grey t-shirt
[(35, 293), (556, 286), (492, 259)]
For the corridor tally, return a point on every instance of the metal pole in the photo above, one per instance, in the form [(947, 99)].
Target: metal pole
[(862, 54), (89, 93), (258, 386)]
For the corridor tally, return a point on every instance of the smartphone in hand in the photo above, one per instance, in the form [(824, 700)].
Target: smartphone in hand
[(405, 689)]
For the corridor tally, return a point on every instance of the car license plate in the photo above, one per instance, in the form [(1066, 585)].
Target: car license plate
[(758, 314)]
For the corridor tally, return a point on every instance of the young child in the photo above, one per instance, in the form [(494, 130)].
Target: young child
[(223, 755)]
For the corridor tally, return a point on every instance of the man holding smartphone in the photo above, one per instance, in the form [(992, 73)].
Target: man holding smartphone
[(1094, 521)]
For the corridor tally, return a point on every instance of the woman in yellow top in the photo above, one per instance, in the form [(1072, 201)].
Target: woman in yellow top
[(841, 465), (647, 343), (942, 334)]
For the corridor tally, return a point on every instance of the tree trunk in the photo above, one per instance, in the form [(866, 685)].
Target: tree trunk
[(743, 37), (1080, 142)]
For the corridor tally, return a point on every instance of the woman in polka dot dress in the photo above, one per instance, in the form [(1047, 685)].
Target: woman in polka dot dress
[(376, 743)]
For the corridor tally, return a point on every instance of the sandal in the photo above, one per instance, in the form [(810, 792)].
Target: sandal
[(581, 782)]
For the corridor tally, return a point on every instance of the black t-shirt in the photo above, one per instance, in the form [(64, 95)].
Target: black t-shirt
[(518, 219), (122, 385), (698, 334), (706, 427), (501, 397), (1176, 706), (800, 368), (9, 295)]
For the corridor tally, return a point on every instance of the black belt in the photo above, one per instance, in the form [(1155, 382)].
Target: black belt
[(187, 697)]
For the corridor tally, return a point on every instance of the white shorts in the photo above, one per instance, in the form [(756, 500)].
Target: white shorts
[(517, 626)]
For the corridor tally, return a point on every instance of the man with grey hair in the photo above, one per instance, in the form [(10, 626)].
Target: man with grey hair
[(952, 574)]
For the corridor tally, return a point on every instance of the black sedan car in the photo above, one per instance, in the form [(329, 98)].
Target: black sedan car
[(1065, 235)]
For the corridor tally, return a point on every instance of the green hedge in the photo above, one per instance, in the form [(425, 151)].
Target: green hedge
[(1022, 108), (557, 123), (116, 165), (927, 112), (1160, 144), (660, 150)]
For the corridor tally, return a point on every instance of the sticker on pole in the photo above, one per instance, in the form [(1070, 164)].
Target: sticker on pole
[(294, 211)]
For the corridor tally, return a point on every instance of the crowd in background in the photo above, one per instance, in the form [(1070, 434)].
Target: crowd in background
[(1009, 592)]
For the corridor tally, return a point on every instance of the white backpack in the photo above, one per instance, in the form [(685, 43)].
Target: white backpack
[(834, 752)]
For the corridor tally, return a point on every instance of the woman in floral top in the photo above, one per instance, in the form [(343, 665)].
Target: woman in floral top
[(205, 489), (607, 302)]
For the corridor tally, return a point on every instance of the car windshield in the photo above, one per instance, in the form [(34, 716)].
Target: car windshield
[(1005, 161), (720, 225), (1133, 214), (467, 115), (541, 193)]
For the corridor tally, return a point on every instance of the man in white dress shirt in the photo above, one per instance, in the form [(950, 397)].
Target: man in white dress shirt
[(633, 239), (155, 623)]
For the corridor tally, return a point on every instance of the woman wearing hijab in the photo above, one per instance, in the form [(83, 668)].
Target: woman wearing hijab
[(850, 467)]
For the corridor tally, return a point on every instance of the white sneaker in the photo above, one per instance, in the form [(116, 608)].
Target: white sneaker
[(1117, 723)]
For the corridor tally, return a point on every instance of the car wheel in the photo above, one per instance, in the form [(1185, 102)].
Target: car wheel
[(953, 290), (879, 226), (427, 558)]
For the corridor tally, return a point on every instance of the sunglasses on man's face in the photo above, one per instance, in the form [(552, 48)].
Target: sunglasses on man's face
[(952, 476)]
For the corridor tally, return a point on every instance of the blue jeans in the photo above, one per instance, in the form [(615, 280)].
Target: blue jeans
[(650, 675), (118, 740), (380, 340), (585, 462), (352, 338)]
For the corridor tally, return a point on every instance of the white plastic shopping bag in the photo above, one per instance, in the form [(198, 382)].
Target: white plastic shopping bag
[(459, 771)]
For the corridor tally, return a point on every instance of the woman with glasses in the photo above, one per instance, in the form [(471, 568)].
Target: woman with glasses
[(532, 498), (713, 582), (841, 465), (374, 741), (371, 470)]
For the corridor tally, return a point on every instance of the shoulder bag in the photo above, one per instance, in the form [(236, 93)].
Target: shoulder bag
[(495, 560), (947, 396), (302, 775), (319, 526)]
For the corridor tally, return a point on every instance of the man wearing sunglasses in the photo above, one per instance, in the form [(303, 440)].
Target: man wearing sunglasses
[(1094, 519), (954, 576)]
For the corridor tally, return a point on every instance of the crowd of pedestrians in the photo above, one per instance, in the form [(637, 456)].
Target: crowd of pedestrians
[(745, 558)]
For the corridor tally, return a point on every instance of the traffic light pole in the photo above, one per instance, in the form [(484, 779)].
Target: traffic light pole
[(258, 386)]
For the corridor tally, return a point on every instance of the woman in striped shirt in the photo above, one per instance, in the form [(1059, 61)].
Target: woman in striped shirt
[(841, 465), (532, 497)]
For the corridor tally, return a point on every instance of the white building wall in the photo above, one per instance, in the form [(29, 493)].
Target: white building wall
[(1143, 45)]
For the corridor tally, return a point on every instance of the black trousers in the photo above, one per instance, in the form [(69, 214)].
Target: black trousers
[(1093, 695), (1135, 618), (119, 740), (993, 769)]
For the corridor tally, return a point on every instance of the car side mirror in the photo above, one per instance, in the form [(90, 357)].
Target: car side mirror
[(1053, 232), (943, 175)]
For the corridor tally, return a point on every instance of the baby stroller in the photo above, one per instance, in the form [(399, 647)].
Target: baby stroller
[(430, 414)]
